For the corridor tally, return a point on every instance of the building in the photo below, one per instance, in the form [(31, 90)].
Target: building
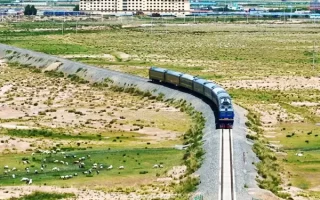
[(146, 6), (315, 5)]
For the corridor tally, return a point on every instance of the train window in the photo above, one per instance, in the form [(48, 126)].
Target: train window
[(225, 101)]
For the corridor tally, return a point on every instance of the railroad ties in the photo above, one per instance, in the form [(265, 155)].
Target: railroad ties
[(227, 185)]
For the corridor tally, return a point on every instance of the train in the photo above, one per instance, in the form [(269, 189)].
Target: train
[(217, 97)]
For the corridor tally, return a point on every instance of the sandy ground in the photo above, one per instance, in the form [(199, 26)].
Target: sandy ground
[(39, 101), (276, 83), (81, 193)]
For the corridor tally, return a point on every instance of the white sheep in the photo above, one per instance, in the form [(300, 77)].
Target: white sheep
[(55, 169), (33, 154), (161, 166), (30, 181), (121, 167), (155, 166), (61, 177), (25, 179), (25, 162), (110, 167), (6, 167), (75, 174), (66, 163), (36, 171), (61, 161), (56, 161), (13, 176), (14, 169), (41, 169)]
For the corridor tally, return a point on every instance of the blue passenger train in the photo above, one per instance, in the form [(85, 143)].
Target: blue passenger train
[(216, 95)]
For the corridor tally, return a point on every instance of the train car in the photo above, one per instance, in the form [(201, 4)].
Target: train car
[(198, 85), (186, 81), (208, 89), (172, 77), (157, 74)]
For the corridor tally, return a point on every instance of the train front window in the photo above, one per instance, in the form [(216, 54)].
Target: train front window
[(225, 101)]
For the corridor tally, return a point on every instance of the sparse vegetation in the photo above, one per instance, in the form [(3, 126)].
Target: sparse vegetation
[(45, 195)]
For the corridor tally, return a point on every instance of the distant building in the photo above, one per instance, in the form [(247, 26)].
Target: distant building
[(146, 6), (315, 5), (202, 5)]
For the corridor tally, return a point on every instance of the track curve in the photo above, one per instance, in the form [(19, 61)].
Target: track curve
[(209, 171)]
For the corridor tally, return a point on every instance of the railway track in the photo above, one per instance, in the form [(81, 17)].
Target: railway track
[(227, 184)]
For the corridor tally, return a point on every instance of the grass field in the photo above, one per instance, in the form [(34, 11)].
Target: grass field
[(267, 68), (50, 120)]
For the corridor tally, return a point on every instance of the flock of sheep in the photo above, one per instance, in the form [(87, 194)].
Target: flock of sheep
[(80, 162)]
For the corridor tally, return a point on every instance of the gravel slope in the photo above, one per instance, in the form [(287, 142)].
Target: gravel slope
[(209, 171)]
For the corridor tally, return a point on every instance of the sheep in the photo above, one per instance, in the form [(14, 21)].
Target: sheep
[(121, 167), (61, 161), (61, 177), (98, 172), (28, 170), (76, 162), (24, 179), (33, 154), (85, 172), (101, 166), (14, 169), (110, 167), (66, 163), (13, 176), (161, 166), (75, 174), (36, 171), (41, 169), (30, 181), (88, 156), (5, 172), (6, 167), (53, 151), (81, 165), (55, 169), (95, 164), (62, 152), (94, 167), (155, 166), (56, 161), (25, 162)]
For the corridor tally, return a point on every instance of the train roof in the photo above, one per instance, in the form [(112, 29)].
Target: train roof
[(200, 81), (211, 85), (158, 69), (187, 76), (173, 73)]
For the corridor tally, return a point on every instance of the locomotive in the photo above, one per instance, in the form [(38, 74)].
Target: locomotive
[(219, 99)]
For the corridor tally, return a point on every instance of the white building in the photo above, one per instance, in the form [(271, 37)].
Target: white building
[(146, 6)]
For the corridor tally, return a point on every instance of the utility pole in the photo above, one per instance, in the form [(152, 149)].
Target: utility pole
[(313, 57)]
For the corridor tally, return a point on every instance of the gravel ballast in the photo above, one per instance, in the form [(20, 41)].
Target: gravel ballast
[(245, 172)]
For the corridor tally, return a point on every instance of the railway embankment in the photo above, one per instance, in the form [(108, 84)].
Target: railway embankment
[(245, 172)]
